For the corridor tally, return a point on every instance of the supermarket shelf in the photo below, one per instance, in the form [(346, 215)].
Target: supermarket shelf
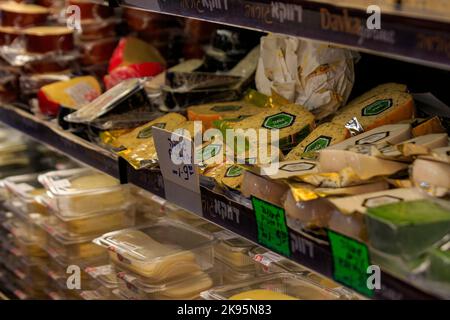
[(217, 208), (67, 143), (407, 36)]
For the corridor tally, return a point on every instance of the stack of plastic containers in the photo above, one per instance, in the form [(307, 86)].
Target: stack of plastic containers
[(24, 256), (165, 259), (83, 204)]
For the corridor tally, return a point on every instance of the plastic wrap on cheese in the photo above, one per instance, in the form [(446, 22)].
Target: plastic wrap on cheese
[(138, 147), (315, 75)]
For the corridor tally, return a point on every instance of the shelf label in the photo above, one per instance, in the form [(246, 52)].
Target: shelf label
[(272, 228), (267, 258), (181, 178), (350, 262)]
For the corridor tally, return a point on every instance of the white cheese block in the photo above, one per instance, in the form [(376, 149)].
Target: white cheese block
[(432, 176)]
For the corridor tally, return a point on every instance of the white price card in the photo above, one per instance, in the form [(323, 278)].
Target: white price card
[(181, 178)]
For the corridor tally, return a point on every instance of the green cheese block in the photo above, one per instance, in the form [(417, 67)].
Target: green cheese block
[(407, 228)]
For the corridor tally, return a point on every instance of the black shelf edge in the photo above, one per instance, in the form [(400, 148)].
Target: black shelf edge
[(65, 142), (216, 207), (408, 38)]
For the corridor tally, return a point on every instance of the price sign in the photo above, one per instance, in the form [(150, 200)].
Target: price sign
[(181, 179), (350, 262), (272, 228)]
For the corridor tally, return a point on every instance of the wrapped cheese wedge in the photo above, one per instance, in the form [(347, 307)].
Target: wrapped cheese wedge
[(323, 136), (228, 175), (208, 113), (382, 88), (138, 147), (427, 126), (266, 189), (377, 110), (408, 228), (293, 122), (431, 176)]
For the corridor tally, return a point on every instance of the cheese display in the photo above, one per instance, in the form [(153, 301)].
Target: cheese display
[(154, 253), (386, 107), (293, 122), (70, 94), (228, 111), (407, 228), (78, 192), (323, 136), (138, 147)]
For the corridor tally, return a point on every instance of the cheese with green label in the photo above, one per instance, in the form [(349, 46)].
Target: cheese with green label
[(382, 88), (407, 228), (377, 110), (392, 134), (323, 136), (138, 147), (293, 122), (229, 111)]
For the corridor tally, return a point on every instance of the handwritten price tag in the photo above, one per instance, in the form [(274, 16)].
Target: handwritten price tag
[(350, 261), (272, 228)]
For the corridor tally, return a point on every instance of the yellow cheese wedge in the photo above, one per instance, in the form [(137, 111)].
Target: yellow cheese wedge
[(138, 147), (230, 111), (261, 294), (380, 109), (322, 137)]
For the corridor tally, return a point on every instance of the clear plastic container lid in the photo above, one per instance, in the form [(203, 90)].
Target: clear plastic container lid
[(26, 186), (82, 181), (161, 250), (278, 286)]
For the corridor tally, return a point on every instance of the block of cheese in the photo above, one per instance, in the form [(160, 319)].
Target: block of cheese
[(407, 228), (46, 39), (294, 123), (261, 294), (382, 88), (380, 109), (71, 94), (431, 176), (392, 134), (288, 169), (18, 15), (363, 166), (229, 111), (322, 137), (133, 50), (439, 154), (428, 126), (229, 175), (138, 147), (354, 190), (263, 188)]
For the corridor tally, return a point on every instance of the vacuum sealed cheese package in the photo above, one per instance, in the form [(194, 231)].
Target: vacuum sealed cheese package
[(279, 286), (409, 228), (159, 251), (315, 75), (76, 192), (138, 147)]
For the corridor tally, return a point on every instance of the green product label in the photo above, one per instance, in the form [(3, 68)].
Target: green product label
[(233, 171), (351, 262), (320, 143), (209, 151), (272, 228), (279, 121), (376, 107), (147, 132), (226, 108)]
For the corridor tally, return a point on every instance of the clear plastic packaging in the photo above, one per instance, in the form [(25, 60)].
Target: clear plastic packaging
[(78, 192), (27, 244), (69, 248), (105, 276), (234, 251), (186, 288), (279, 286), (25, 189), (161, 251), (232, 275)]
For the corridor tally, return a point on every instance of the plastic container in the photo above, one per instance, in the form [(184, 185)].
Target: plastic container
[(279, 286), (78, 192), (24, 189), (26, 227), (234, 250), (161, 251), (97, 223), (28, 244), (69, 248), (186, 288), (269, 262), (232, 275), (105, 277)]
